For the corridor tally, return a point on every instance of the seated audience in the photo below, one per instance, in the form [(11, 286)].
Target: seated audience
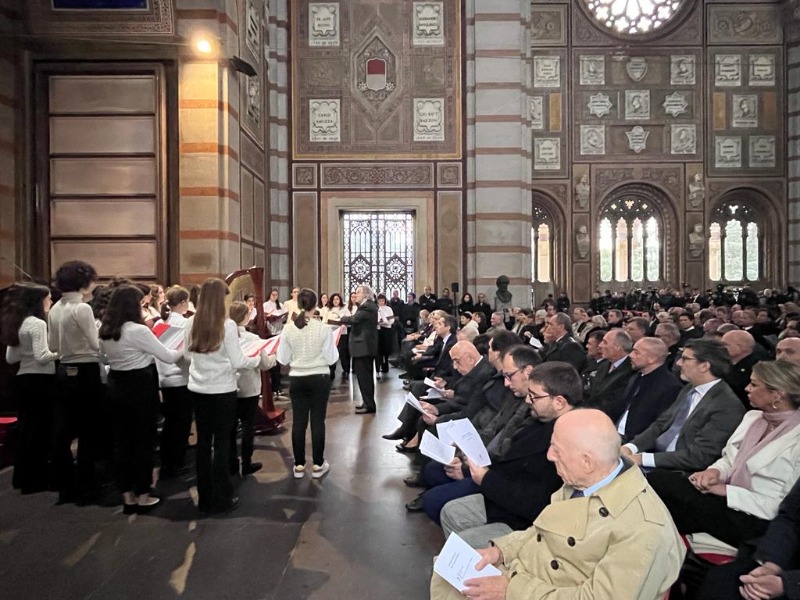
[(690, 435), (605, 534), (559, 343), (608, 385), (517, 487), (734, 498), (740, 345), (788, 349)]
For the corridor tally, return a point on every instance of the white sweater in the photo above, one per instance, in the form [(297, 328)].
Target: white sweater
[(174, 375), (73, 333), (309, 351), (215, 372), (135, 349), (32, 352), (249, 380)]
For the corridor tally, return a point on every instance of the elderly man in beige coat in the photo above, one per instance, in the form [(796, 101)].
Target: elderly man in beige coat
[(605, 535)]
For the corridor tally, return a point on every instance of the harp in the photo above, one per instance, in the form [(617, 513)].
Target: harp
[(251, 281)]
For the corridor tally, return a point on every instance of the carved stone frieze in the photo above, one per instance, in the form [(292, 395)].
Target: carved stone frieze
[(668, 178), (751, 23), (304, 175), (390, 175)]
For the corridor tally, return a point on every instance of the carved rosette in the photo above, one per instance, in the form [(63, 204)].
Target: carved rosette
[(449, 175), (304, 176), (377, 175)]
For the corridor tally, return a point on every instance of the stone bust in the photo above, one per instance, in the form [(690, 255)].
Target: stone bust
[(502, 297)]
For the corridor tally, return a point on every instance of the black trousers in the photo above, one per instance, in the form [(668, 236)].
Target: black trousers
[(344, 352), (78, 406), (309, 401), (275, 378), (134, 396), (695, 512), (722, 583), (214, 416), (365, 374), (246, 413), (32, 470), (177, 411), (385, 345)]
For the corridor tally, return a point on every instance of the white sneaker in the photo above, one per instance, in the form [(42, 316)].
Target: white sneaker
[(320, 470), (299, 471)]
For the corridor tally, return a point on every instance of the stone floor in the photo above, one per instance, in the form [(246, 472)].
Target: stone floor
[(345, 536)]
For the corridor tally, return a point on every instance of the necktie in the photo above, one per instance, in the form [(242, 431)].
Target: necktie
[(665, 439), (577, 494)]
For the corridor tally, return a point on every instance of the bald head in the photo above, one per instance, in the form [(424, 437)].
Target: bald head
[(465, 356), (739, 344), (648, 354), (584, 447), (788, 349)]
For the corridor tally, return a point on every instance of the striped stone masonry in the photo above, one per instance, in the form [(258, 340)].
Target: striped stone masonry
[(793, 157), (498, 146)]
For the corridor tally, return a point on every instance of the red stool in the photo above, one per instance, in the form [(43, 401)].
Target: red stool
[(7, 425)]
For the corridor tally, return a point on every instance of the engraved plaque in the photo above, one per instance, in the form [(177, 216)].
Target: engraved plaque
[(675, 104), (323, 24), (546, 154), (683, 139), (762, 70), (636, 68), (637, 105), (762, 151), (593, 70), (683, 70), (745, 110), (599, 104), (728, 152), (428, 119), (428, 24), (593, 140), (537, 112), (324, 120), (547, 71), (728, 70), (637, 138)]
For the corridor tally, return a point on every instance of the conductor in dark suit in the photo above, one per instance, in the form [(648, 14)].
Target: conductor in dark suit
[(691, 434), (364, 346), (607, 388), (651, 390), (773, 571), (559, 343)]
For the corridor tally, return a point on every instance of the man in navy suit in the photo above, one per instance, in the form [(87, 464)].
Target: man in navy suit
[(650, 392), (559, 343)]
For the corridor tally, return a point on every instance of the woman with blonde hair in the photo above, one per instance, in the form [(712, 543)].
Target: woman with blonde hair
[(212, 344), (734, 499)]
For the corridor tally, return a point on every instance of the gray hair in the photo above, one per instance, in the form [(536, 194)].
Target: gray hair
[(367, 290)]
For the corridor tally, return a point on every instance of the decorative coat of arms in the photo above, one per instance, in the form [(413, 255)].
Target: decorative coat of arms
[(376, 70), (636, 68), (637, 138)]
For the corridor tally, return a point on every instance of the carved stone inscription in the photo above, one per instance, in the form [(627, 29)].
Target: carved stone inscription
[(546, 71), (428, 119), (762, 70), (325, 122), (428, 24), (546, 154), (593, 70), (323, 24), (728, 152), (593, 140), (537, 112), (728, 70), (762, 151), (683, 139), (683, 70)]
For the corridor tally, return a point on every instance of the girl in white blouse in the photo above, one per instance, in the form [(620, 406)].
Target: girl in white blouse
[(212, 342), (25, 334), (130, 348), (333, 315)]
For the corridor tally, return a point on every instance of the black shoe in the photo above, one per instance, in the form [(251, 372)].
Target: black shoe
[(415, 505), (250, 468), (403, 376), (360, 406), (405, 449), (414, 481), (378, 376), (397, 434), (232, 504), (363, 410), (130, 509)]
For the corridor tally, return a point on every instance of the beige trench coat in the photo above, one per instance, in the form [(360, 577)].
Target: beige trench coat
[(619, 543)]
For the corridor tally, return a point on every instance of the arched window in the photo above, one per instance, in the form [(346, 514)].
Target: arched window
[(633, 16), (629, 241), (541, 246), (734, 243)]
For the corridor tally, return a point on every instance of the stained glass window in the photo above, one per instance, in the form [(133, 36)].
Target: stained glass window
[(379, 251), (633, 16), (629, 242), (734, 244), (541, 246)]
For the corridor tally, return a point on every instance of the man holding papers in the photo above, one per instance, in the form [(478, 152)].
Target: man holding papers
[(605, 535), (514, 490)]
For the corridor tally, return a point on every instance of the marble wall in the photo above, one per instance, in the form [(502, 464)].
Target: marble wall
[(793, 77), (9, 105)]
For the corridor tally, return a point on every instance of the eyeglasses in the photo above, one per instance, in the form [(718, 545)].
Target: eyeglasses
[(533, 397), (685, 358), (510, 375)]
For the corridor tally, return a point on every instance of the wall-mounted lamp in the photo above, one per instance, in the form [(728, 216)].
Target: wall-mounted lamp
[(242, 66)]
